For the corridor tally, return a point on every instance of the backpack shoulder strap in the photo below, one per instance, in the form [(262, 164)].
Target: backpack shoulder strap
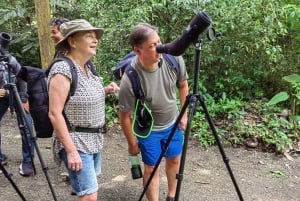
[(172, 62), (72, 70), (122, 65), (170, 59), (135, 82), (74, 75), (91, 66)]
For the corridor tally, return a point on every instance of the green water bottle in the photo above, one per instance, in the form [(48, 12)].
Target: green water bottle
[(136, 171)]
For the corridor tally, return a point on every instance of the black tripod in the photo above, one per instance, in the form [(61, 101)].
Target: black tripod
[(191, 100), (24, 123)]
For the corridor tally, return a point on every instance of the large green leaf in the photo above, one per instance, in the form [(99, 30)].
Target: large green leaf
[(282, 96), (293, 78), (295, 118)]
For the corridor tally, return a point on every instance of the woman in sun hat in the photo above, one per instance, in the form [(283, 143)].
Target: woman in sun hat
[(78, 120)]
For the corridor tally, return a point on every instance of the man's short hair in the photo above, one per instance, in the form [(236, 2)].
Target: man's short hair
[(140, 33)]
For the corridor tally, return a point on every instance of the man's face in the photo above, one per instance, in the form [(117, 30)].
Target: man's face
[(147, 51), (55, 34)]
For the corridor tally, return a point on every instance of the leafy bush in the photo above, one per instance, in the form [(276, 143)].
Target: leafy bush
[(258, 46), (243, 120)]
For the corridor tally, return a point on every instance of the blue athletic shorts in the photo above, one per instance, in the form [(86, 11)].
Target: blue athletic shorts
[(84, 182), (152, 146)]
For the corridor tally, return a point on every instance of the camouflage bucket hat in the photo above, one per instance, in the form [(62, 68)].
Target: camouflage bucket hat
[(74, 26)]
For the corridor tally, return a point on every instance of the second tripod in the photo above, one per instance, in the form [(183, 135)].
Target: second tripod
[(15, 103), (13, 90)]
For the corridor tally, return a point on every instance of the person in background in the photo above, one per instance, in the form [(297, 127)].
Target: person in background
[(159, 85), (55, 33), (55, 23), (26, 166), (78, 123)]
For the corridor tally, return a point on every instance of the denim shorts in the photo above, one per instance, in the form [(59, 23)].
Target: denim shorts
[(152, 146), (84, 182)]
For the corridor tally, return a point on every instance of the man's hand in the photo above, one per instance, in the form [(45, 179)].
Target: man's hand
[(2, 93), (183, 123), (26, 106), (133, 149)]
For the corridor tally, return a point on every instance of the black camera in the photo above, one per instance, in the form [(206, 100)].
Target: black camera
[(5, 58), (5, 39)]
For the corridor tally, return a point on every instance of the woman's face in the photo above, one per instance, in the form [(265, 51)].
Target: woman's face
[(55, 34), (85, 42)]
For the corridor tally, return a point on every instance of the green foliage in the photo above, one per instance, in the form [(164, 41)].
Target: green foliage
[(250, 50), (294, 80), (281, 96), (200, 129), (277, 173), (245, 62), (111, 110), (258, 46), (18, 21), (237, 121)]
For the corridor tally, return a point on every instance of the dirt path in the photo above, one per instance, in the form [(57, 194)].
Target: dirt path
[(205, 178)]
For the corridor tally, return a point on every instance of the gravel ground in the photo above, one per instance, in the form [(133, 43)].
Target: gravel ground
[(259, 176)]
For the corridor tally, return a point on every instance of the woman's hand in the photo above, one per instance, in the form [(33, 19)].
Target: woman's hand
[(74, 161), (112, 88)]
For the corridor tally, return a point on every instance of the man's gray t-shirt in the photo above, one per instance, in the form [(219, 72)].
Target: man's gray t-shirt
[(160, 91)]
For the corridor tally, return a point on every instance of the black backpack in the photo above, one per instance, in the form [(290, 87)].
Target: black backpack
[(36, 79), (124, 66)]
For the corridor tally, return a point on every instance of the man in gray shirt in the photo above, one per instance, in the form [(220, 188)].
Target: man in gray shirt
[(159, 83)]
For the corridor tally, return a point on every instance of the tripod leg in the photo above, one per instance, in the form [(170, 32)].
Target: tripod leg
[(8, 176), (179, 176), (225, 158)]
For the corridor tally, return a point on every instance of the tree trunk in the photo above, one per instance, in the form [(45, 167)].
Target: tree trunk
[(42, 8)]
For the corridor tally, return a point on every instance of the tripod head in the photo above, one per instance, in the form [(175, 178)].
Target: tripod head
[(7, 65)]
